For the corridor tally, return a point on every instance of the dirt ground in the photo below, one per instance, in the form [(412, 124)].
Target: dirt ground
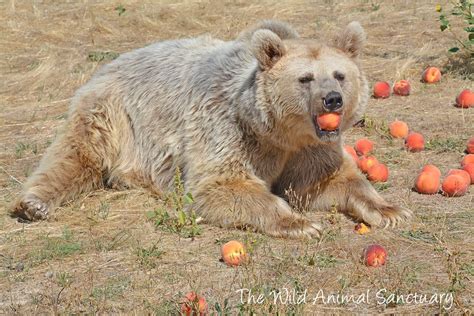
[(102, 254)]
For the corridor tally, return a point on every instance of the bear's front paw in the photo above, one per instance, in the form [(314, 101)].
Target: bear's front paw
[(393, 215), (295, 226), (30, 208), (381, 214)]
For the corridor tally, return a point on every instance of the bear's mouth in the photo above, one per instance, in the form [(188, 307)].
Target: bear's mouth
[(330, 132)]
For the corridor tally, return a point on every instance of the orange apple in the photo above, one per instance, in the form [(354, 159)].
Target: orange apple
[(469, 168), (381, 90), (398, 129), (427, 182), (378, 173), (233, 253), (329, 121), (361, 229), (363, 146), (465, 99), (462, 173), (470, 146), (467, 159), (431, 75), (375, 256), (350, 150), (432, 169), (454, 185), (415, 142), (194, 304), (365, 163), (402, 88)]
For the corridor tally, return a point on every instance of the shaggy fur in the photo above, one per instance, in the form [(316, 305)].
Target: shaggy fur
[(238, 119)]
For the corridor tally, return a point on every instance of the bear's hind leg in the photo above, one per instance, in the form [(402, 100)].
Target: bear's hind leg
[(75, 163)]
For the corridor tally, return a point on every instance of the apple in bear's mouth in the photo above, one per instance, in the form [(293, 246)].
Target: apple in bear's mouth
[(327, 125)]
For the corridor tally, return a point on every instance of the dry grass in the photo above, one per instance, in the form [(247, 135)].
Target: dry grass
[(100, 254)]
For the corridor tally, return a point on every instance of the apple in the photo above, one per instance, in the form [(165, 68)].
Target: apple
[(469, 168), (431, 75), (454, 185), (465, 99), (233, 253), (462, 173), (378, 173), (381, 90), (433, 169), (467, 159), (427, 183), (375, 256), (329, 121), (470, 146), (402, 88), (194, 304), (365, 163), (398, 129), (363, 146), (415, 142)]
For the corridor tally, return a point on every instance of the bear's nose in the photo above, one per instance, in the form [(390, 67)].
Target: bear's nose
[(332, 101)]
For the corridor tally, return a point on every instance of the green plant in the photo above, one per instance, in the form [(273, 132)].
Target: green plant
[(462, 9), (147, 257), (120, 9), (100, 56), (179, 221)]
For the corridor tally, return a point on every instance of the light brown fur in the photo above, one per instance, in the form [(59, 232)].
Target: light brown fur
[(238, 118)]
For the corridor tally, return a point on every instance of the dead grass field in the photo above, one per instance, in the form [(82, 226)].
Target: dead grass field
[(100, 254)]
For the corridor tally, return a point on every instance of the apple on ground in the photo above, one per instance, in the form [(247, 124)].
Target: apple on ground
[(194, 304), (233, 253), (402, 88), (381, 90), (375, 256)]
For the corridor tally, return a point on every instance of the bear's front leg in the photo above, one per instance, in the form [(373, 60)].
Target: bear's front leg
[(246, 203), (329, 177), (354, 195)]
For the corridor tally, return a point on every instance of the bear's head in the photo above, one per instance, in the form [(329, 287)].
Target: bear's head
[(298, 80)]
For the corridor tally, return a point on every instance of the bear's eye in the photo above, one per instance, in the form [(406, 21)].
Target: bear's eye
[(339, 76), (306, 78)]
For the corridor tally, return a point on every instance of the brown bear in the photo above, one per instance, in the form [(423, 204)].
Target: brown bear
[(238, 119)]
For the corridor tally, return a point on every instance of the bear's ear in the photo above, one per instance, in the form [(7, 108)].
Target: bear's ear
[(267, 47), (351, 40)]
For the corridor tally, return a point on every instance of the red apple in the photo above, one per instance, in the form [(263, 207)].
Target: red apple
[(431, 75), (194, 304), (365, 163), (469, 168), (454, 185), (462, 173), (378, 173), (328, 121), (470, 146), (467, 159), (381, 90), (363, 146), (402, 88), (233, 253), (427, 183), (398, 129), (433, 169), (415, 142), (465, 99), (375, 256)]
